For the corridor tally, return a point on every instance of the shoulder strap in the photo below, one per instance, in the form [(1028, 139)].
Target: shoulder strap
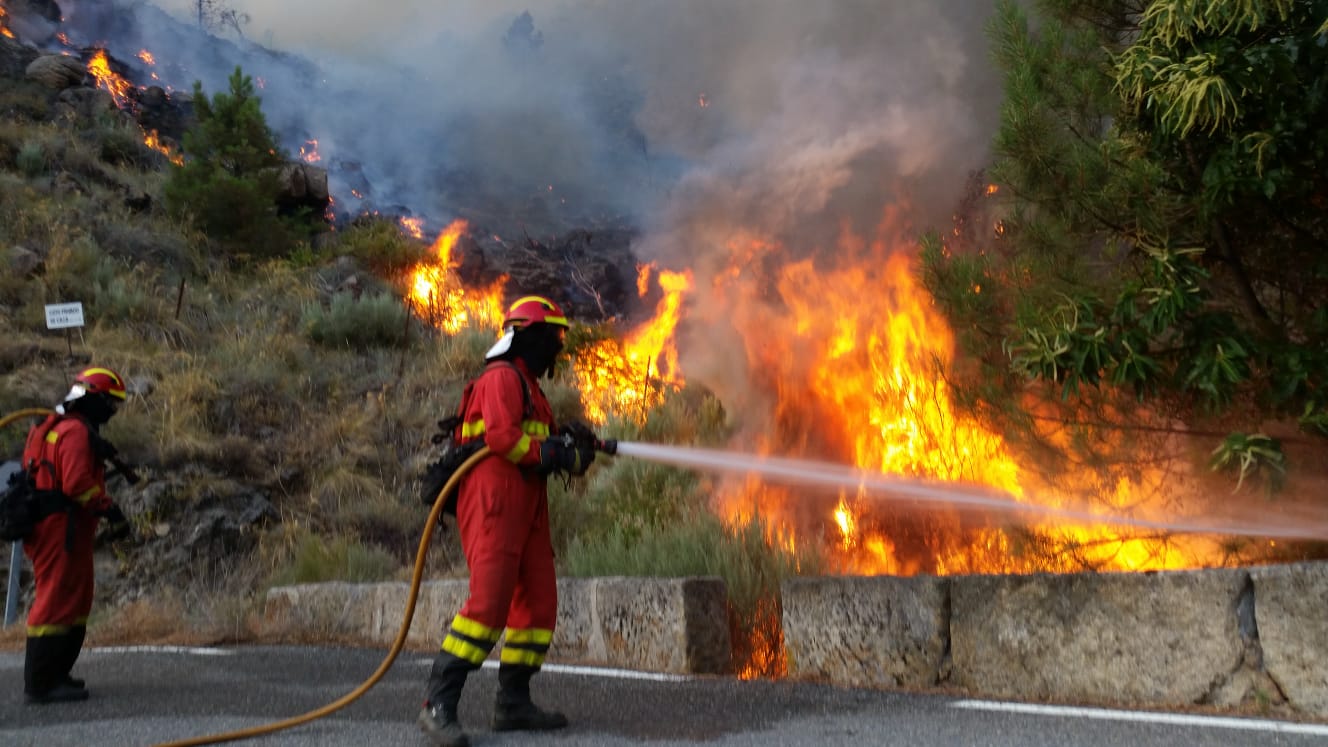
[(527, 402)]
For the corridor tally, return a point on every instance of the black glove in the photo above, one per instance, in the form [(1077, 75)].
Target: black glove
[(117, 525), (579, 432), (114, 516), (562, 454)]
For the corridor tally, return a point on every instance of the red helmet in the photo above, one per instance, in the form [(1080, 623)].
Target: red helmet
[(532, 309), (101, 381)]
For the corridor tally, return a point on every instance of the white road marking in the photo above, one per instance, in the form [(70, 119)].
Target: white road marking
[(196, 651), (625, 674), (1175, 719)]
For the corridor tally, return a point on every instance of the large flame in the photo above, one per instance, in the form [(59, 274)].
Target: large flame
[(100, 68), (4, 22), (437, 295), (855, 361), (628, 378)]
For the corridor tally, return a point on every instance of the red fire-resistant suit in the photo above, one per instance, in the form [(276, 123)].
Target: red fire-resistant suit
[(61, 562), (503, 515)]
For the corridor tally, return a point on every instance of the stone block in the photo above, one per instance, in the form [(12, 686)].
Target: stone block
[(1132, 638), (1291, 612), (877, 631)]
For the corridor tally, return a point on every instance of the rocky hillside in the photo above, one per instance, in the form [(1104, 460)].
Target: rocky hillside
[(265, 441)]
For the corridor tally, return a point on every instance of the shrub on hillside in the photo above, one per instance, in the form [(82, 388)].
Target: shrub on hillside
[(25, 101), (380, 245), (31, 160), (121, 144), (373, 320)]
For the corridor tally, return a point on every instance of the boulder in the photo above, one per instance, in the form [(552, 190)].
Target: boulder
[(56, 71)]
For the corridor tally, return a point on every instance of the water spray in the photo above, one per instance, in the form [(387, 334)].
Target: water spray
[(1302, 523)]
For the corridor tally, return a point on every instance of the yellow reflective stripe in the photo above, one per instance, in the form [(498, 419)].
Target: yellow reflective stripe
[(520, 450), (475, 629), (37, 631), (87, 495), (521, 656), (113, 377), (529, 427), (463, 649), (52, 437), (537, 636)]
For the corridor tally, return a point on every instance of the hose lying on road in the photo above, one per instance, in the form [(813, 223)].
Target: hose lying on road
[(400, 641), (350, 697)]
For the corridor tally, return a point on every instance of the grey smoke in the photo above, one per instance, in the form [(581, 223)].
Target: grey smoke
[(816, 115)]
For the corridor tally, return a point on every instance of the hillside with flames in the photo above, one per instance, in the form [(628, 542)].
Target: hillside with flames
[(756, 257)]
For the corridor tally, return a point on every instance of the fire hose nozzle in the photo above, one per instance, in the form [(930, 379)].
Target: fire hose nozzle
[(607, 445)]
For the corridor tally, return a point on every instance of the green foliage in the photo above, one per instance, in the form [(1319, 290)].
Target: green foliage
[(230, 180), (1161, 197), (23, 100), (1249, 455), (375, 319), (31, 160), (380, 245), (121, 144), (316, 559)]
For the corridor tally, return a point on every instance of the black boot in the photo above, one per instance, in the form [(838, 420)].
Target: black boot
[(513, 709), (73, 646), (438, 719), (43, 671)]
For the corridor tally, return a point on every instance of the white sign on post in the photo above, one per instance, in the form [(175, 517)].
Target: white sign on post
[(64, 315)]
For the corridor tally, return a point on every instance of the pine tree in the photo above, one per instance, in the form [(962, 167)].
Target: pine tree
[(230, 180)]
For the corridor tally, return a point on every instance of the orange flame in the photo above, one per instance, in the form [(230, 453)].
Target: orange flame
[(100, 68), (309, 152), (4, 25), (147, 57), (857, 370), (414, 227), (154, 142), (436, 295), (627, 378)]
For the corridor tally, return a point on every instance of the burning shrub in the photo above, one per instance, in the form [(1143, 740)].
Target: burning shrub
[(379, 245)]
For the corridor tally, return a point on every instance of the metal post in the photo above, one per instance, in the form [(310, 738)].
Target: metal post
[(15, 556), (11, 596)]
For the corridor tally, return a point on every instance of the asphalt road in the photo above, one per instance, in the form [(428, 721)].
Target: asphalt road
[(151, 696)]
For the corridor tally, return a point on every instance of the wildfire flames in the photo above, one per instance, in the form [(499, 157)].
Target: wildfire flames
[(107, 79), (436, 294), (4, 23), (629, 378), (856, 361), (853, 362), (118, 87)]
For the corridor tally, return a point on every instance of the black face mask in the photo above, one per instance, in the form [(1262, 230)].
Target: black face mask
[(539, 345), (97, 408)]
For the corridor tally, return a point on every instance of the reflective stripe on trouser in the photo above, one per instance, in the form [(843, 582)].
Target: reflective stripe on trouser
[(470, 640), (526, 647), (465, 648)]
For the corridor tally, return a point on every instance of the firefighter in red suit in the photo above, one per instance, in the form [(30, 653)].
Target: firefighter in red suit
[(503, 517), (65, 454)]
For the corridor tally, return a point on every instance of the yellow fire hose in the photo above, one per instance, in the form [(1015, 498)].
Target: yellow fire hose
[(400, 641), (348, 698)]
